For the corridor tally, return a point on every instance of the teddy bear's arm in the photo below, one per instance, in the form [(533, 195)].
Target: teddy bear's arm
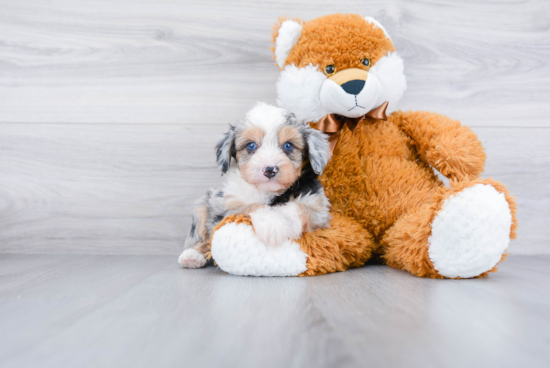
[(448, 146)]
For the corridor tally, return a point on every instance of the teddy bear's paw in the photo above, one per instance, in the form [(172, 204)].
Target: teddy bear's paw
[(470, 232), (190, 258), (273, 226), (238, 250)]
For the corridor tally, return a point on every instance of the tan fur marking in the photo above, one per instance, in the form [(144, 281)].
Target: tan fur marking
[(248, 172), (305, 217), (231, 203), (202, 247), (288, 173), (202, 214), (250, 208), (252, 134), (292, 135), (349, 74)]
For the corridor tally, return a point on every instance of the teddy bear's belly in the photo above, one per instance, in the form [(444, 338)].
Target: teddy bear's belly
[(377, 190)]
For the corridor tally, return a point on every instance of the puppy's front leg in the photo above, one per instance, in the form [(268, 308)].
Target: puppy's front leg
[(274, 225)]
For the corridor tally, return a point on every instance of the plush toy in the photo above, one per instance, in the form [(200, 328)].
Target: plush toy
[(341, 74)]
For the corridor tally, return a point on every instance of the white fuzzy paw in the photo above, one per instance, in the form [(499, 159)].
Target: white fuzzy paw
[(237, 250), (190, 258), (274, 226), (471, 232), (291, 213)]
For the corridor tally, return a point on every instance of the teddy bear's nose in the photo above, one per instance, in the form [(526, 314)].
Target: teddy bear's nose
[(353, 87)]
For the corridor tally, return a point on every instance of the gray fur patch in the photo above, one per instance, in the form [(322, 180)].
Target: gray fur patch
[(318, 149), (213, 201), (225, 149)]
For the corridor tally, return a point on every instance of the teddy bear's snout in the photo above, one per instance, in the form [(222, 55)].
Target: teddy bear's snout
[(353, 87)]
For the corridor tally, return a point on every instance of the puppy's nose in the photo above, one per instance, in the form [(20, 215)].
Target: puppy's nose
[(270, 171), (353, 87)]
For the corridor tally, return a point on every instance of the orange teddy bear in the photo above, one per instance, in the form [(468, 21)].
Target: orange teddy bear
[(341, 74)]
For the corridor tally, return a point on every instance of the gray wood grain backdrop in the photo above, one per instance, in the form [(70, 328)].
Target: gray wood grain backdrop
[(109, 109)]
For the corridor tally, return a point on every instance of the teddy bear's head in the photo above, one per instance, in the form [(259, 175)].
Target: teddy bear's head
[(341, 64)]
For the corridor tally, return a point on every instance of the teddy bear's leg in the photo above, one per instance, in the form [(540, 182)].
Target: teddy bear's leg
[(237, 250), (463, 233), (346, 244)]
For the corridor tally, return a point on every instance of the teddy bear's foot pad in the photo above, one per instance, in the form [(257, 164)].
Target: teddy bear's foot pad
[(238, 251), (190, 258), (471, 232)]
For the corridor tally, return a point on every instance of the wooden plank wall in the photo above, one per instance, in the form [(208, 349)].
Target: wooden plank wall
[(109, 109)]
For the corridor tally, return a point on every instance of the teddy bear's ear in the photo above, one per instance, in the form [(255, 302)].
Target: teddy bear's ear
[(286, 33), (377, 24)]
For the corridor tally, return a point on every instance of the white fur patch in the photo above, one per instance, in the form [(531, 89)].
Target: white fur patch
[(471, 232), (275, 225), (390, 72), (319, 218), (190, 258), (289, 34), (235, 186), (377, 25), (298, 90), (338, 101), (238, 251), (267, 117)]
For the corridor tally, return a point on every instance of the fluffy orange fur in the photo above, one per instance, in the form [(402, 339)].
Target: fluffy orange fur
[(380, 182), (331, 250), (326, 41), (380, 175)]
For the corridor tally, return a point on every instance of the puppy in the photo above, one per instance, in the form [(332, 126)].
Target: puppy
[(271, 163)]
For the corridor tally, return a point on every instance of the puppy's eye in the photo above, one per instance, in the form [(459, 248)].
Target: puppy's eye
[(251, 146), (288, 146), (330, 69), (366, 62)]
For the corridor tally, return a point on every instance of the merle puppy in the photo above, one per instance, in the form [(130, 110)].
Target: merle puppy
[(271, 163)]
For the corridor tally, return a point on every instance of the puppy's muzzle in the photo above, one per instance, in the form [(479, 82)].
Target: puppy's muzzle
[(270, 171)]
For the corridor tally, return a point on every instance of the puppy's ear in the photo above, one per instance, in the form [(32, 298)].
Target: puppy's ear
[(225, 149), (318, 149)]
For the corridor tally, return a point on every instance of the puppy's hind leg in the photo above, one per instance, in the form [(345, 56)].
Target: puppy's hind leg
[(194, 257), (196, 244)]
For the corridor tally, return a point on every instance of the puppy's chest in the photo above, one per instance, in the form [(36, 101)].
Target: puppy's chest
[(307, 184), (246, 196)]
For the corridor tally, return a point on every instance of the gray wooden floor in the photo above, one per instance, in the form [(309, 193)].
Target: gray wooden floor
[(145, 311)]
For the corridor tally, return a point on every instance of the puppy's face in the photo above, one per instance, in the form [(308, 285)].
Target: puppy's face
[(270, 148)]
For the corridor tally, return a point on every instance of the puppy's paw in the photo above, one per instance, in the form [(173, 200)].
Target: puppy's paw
[(270, 226), (292, 214), (190, 258)]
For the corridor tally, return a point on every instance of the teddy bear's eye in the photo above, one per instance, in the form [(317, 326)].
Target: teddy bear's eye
[(366, 62), (330, 69)]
